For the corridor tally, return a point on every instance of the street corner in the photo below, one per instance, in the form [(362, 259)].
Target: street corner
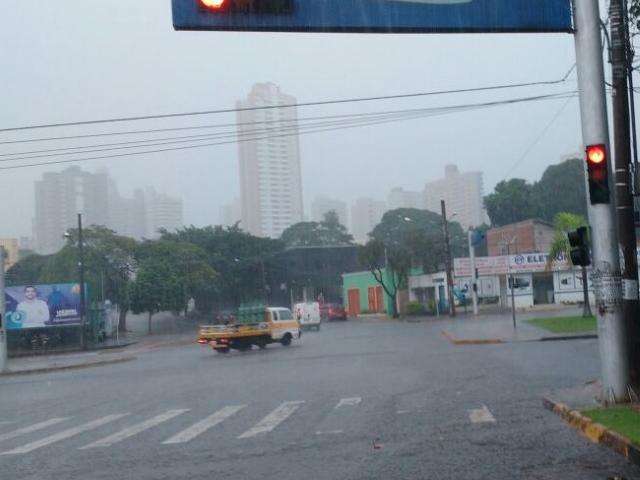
[(43, 367), (471, 341), (594, 431)]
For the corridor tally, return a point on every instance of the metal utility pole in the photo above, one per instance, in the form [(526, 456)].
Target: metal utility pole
[(512, 284), (83, 330), (448, 263), (623, 178), (606, 263), (3, 317), (474, 273)]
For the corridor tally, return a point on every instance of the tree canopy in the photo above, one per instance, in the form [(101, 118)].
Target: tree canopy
[(561, 189), (328, 232)]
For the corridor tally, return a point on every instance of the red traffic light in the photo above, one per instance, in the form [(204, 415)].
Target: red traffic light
[(212, 4), (596, 154), (598, 172)]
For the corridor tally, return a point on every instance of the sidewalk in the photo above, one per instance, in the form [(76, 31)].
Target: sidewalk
[(498, 328)]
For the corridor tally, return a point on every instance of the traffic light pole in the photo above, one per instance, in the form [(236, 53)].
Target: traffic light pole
[(447, 246), (623, 180), (604, 239)]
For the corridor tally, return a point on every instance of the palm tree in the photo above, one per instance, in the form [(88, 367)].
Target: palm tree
[(565, 222)]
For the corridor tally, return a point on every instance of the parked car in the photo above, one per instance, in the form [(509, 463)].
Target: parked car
[(333, 311)]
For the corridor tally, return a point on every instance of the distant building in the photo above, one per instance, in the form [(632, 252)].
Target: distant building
[(60, 196), (400, 198), (366, 213), (163, 212), (270, 178), (12, 251), (463, 194), (528, 236), (231, 213), (321, 205), (127, 216)]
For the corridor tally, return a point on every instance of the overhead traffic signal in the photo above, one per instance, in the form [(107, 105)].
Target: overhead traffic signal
[(598, 170), (246, 6), (579, 242)]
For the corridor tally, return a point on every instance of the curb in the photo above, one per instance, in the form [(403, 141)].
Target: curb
[(593, 431), (569, 337), (58, 368), (477, 341)]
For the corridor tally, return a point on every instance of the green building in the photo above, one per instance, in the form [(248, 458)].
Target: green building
[(363, 294)]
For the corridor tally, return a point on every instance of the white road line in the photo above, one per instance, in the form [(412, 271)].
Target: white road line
[(29, 447), (348, 402), (329, 432), (204, 424), (134, 429), (272, 420), (481, 415), (31, 428)]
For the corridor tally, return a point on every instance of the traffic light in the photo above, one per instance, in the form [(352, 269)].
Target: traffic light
[(597, 167), (246, 6), (579, 242)]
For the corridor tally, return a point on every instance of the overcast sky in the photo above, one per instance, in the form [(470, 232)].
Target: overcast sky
[(76, 60)]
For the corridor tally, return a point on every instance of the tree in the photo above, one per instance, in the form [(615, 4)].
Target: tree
[(389, 266), (511, 201), (561, 189), (328, 232), (563, 223)]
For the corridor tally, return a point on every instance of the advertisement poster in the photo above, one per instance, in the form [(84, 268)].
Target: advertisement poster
[(37, 306)]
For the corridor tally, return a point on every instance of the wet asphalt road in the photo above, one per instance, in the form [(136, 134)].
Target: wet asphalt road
[(358, 400)]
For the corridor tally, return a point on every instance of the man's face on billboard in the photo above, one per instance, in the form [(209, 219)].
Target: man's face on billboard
[(30, 293)]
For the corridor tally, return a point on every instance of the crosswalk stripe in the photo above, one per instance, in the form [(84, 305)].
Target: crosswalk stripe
[(204, 424), (274, 419), (31, 428), (29, 447), (481, 415), (348, 402), (135, 429)]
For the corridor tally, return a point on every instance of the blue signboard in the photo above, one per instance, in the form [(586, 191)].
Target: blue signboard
[(374, 16), (38, 306)]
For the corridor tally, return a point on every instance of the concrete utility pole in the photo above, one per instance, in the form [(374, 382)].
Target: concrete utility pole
[(83, 319), (474, 273), (448, 263), (604, 237), (623, 178), (3, 316)]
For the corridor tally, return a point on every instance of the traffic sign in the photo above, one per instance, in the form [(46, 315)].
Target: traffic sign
[(374, 16)]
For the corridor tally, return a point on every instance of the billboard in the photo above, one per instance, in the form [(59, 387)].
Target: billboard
[(37, 306), (374, 16)]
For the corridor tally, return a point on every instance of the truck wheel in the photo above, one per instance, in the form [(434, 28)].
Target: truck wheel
[(262, 344), (223, 350), (286, 340)]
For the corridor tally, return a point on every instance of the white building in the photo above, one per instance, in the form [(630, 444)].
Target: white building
[(400, 198), (463, 194), (321, 205), (231, 213), (163, 212), (270, 178), (366, 213)]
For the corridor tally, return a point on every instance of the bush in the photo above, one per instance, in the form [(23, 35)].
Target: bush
[(415, 308)]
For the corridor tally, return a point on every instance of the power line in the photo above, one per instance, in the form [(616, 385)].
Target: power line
[(225, 134), (537, 139), (292, 105), (375, 122)]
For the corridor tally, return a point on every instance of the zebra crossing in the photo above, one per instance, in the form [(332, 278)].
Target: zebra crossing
[(335, 417)]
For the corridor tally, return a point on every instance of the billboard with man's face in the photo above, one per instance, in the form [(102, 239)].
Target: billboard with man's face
[(37, 306)]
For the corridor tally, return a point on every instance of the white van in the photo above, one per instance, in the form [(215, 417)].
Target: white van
[(308, 314)]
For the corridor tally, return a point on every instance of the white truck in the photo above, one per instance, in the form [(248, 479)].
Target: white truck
[(308, 315)]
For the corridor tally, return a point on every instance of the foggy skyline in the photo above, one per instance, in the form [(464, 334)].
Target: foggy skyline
[(118, 58)]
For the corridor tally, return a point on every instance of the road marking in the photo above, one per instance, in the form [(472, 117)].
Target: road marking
[(402, 412), (32, 428), (329, 432), (29, 447), (272, 420), (348, 402), (134, 429), (481, 415), (204, 424)]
